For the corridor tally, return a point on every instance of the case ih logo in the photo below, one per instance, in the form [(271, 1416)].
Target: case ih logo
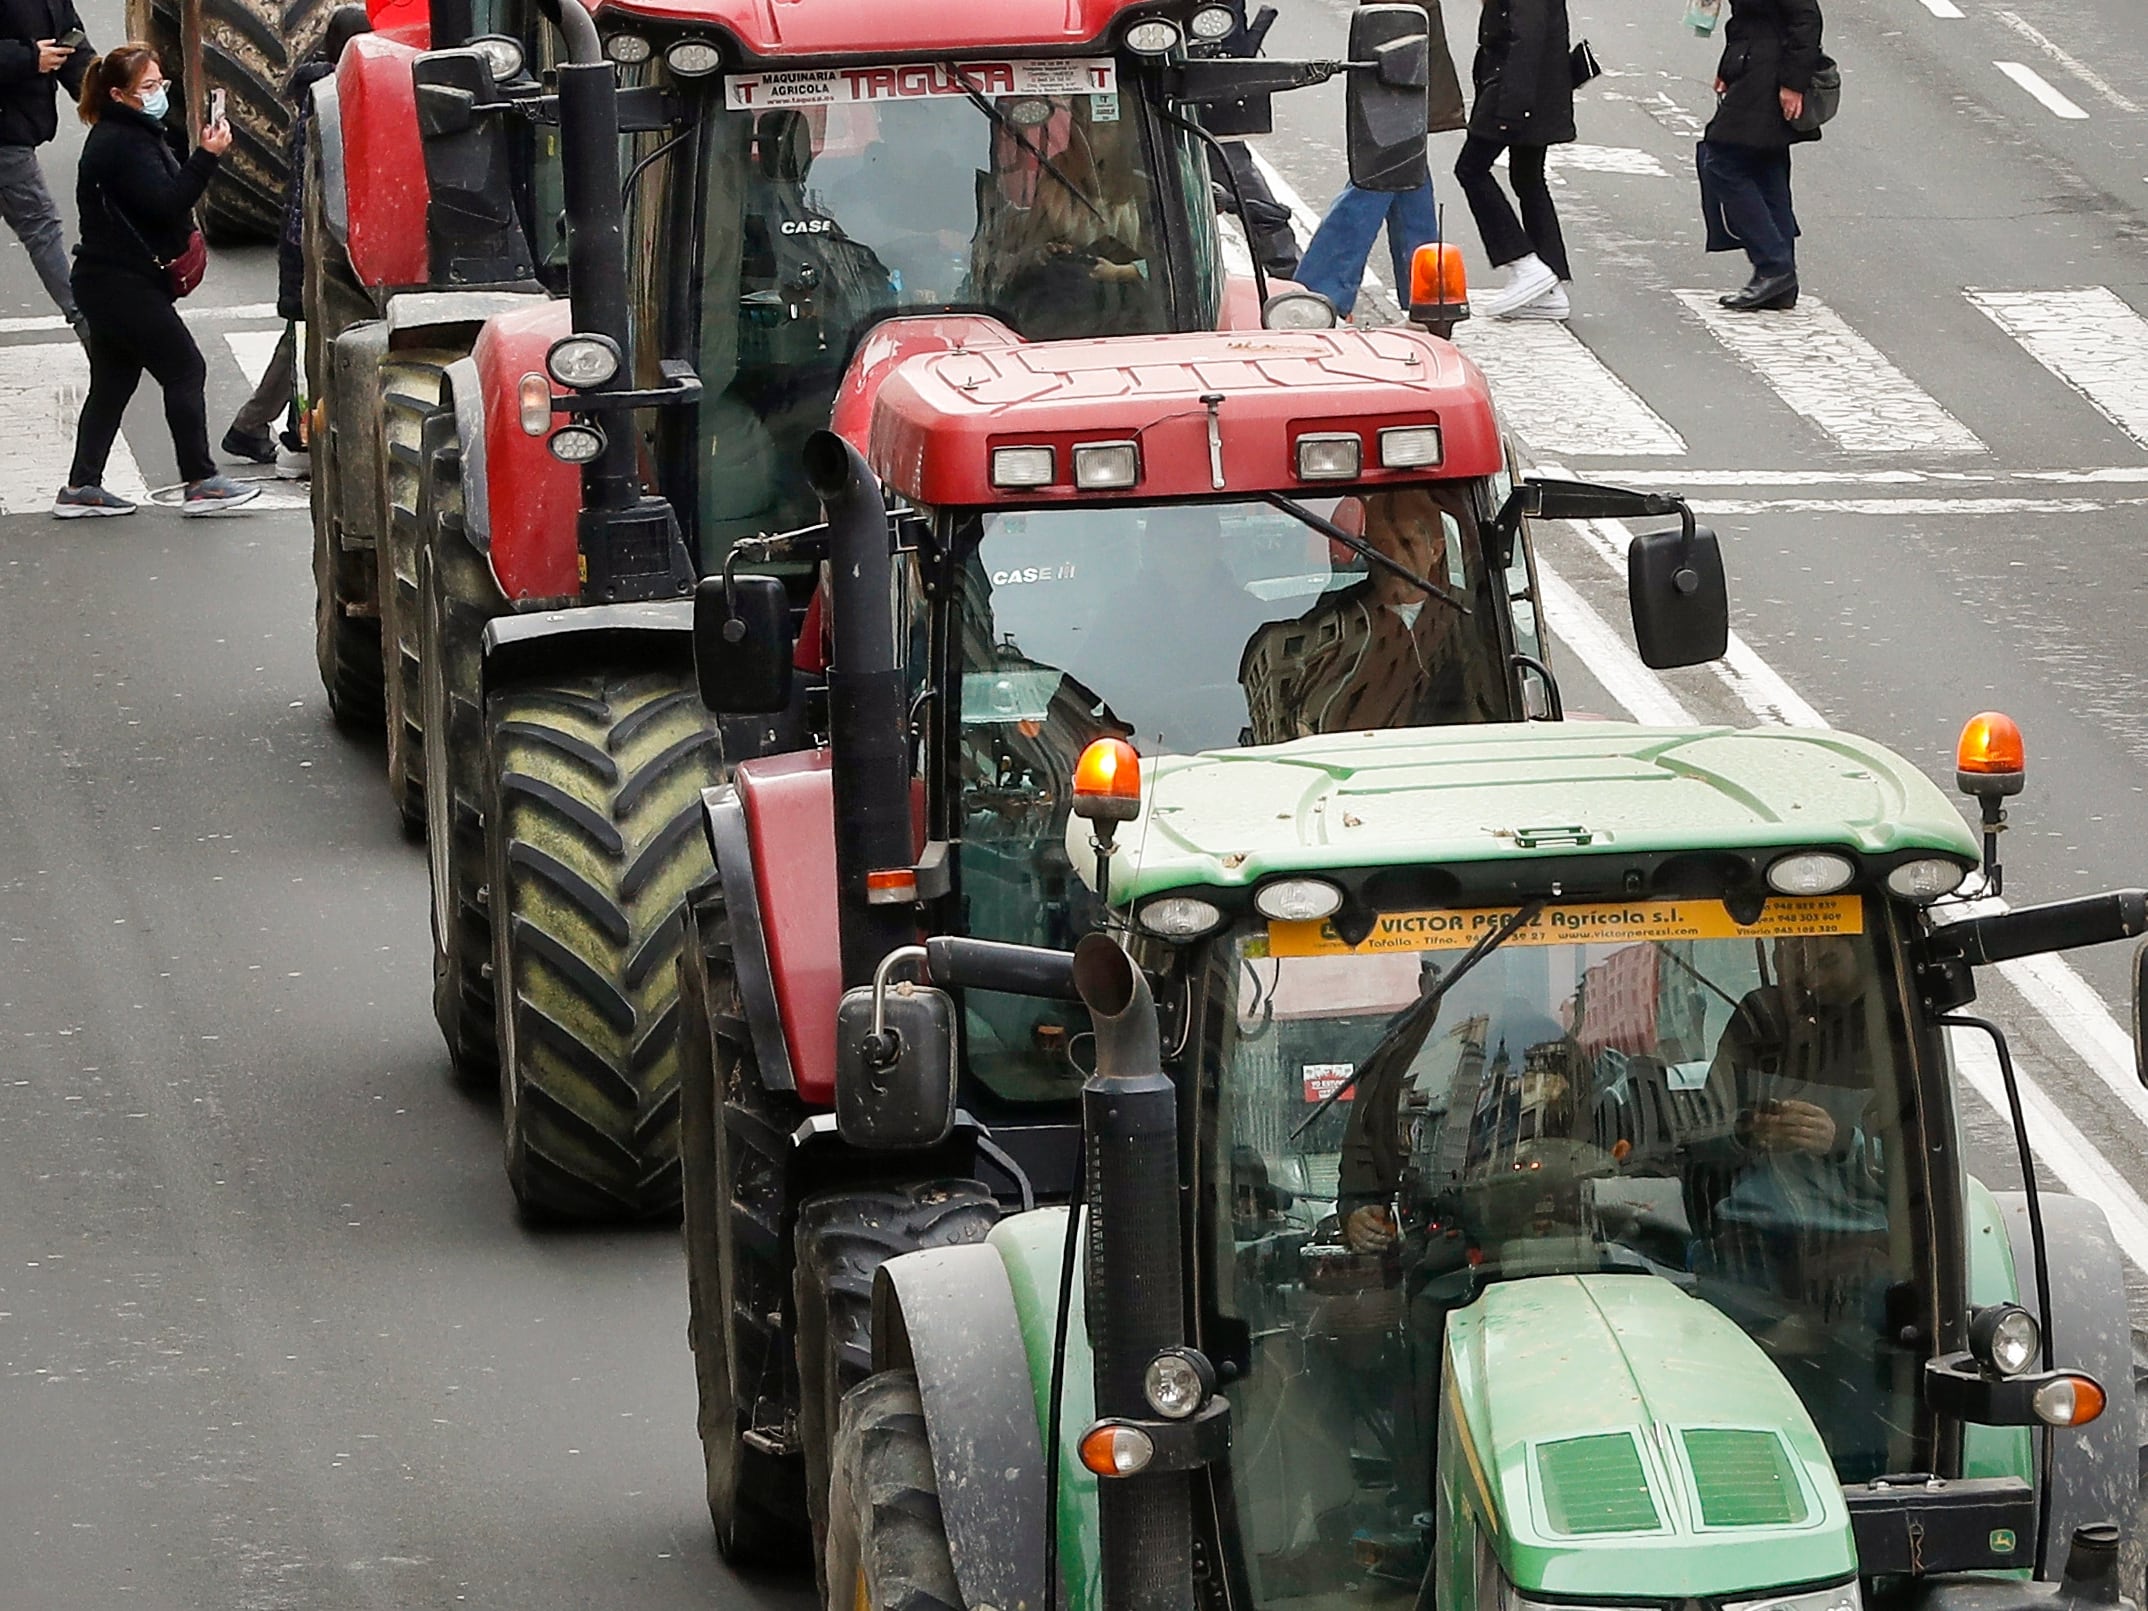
[(857, 86)]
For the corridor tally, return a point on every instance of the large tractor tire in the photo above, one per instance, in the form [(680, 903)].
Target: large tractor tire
[(413, 388), (247, 49), (843, 1238), (593, 828), (887, 1541), (457, 595), (733, 1233), (346, 600)]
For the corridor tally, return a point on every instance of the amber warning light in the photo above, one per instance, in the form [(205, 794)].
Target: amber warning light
[(1107, 782), (1439, 285), (1991, 759)]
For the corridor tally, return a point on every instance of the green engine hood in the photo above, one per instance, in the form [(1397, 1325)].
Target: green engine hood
[(1622, 1438)]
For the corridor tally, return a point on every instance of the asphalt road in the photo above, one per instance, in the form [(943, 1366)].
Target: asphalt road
[(270, 1335)]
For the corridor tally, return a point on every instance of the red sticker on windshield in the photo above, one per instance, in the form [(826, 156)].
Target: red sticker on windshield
[(1323, 1080)]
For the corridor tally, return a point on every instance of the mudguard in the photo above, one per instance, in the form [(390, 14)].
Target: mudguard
[(787, 809), (468, 395), (724, 820), (949, 1313), (326, 132), (2095, 1471), (353, 418), (531, 499), (602, 634), (383, 162)]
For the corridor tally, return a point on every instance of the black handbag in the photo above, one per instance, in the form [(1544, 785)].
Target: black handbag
[(1823, 98), (1582, 63)]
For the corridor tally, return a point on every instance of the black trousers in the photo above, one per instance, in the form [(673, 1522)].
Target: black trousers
[(134, 325), (1751, 191), (1507, 238)]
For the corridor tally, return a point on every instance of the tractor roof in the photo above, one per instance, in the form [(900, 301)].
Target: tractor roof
[(875, 29), (939, 416), (1473, 794)]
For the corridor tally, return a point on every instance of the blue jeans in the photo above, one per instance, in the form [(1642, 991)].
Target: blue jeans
[(1334, 260)]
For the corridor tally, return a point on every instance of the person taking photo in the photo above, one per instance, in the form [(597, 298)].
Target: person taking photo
[(42, 49)]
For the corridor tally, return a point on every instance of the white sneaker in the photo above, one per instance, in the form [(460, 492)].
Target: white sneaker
[(1527, 280), (293, 464), (1551, 305)]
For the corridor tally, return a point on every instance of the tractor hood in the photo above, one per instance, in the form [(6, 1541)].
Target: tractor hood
[(1624, 1439)]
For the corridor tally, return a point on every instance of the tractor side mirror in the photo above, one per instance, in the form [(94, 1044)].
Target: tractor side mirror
[(1390, 57), (473, 233), (742, 644), (1681, 603), (895, 1065)]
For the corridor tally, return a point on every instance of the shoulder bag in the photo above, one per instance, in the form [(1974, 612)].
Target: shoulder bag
[(185, 271), (1823, 99)]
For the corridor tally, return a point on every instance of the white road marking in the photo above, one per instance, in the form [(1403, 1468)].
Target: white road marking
[(253, 349), (1680, 478), (2041, 88), (41, 392), (1942, 8), (1576, 624), (1560, 396), (1618, 159), (1835, 378), (2067, 60), (1911, 506), (53, 324), (2090, 338)]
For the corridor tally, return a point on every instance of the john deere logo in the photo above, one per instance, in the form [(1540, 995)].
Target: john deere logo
[(2002, 1541)]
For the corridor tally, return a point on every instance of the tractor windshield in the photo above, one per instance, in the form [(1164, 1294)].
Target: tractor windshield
[(1184, 627), (832, 199), (1646, 1087)]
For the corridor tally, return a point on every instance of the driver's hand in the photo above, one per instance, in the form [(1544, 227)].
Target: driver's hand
[(1791, 1126), (1370, 1229)]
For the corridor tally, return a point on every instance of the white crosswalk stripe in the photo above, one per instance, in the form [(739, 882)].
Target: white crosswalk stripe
[(253, 349), (2090, 338), (41, 390), (1835, 378), (1560, 396)]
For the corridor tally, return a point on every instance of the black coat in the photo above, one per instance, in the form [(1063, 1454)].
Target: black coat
[(291, 240), (1768, 46), (135, 195), (1525, 85), (29, 109)]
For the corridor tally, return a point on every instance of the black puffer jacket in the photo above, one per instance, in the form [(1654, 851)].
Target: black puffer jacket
[(1768, 46), (135, 195), (1525, 86), (29, 100), (291, 240)]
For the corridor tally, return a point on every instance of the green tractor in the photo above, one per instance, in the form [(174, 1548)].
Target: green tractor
[(1521, 1169)]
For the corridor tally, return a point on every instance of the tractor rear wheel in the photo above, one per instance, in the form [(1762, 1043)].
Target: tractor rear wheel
[(594, 837), (457, 596), (247, 49), (414, 425), (843, 1239), (346, 601), (753, 1492), (887, 1541)]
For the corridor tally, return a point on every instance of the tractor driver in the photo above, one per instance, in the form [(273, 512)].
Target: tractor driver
[(1380, 653)]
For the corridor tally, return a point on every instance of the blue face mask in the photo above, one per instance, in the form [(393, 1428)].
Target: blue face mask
[(157, 102)]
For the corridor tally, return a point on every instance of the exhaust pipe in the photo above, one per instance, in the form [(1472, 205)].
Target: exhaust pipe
[(868, 721), (1135, 1283)]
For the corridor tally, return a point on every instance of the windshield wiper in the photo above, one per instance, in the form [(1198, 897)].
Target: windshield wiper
[(978, 100), (1364, 550), (1424, 1013)]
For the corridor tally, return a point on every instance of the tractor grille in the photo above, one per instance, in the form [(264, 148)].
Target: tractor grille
[(1596, 1485), (1745, 1478)]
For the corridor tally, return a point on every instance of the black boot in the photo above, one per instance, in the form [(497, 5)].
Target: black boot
[(1765, 293)]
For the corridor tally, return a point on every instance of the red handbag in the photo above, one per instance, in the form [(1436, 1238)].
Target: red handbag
[(186, 270)]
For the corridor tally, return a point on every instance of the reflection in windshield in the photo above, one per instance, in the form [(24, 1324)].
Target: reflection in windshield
[(821, 218), (1720, 1112)]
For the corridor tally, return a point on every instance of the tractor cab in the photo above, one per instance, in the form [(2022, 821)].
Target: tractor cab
[(1580, 1209)]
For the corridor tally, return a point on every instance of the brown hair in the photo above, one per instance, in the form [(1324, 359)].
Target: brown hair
[(116, 69)]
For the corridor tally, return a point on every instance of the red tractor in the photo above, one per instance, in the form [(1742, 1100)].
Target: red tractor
[(554, 475), (1195, 542)]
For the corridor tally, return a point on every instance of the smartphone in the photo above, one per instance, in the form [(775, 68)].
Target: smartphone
[(216, 106), (73, 39)]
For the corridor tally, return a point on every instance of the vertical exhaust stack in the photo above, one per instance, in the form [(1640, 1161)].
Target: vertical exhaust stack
[(1134, 1277), (868, 718)]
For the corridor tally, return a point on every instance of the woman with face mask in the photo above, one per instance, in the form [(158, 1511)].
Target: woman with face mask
[(135, 191)]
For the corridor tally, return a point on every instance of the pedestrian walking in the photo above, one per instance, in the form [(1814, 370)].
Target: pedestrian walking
[(135, 192), (1771, 51), (42, 50), (1524, 78), (249, 437), (1335, 258)]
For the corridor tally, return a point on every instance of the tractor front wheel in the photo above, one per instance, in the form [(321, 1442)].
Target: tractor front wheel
[(593, 829), (887, 1541)]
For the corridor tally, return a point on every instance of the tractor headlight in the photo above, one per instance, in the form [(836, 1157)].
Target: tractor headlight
[(582, 361), (628, 50), (1177, 1383), (693, 58), (1298, 310), (1106, 466), (1841, 1597), (503, 56), (1810, 872), (1179, 917), (1297, 900), (1213, 22), (1329, 456), (2005, 1337), (1926, 879), (577, 444), (1154, 37)]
